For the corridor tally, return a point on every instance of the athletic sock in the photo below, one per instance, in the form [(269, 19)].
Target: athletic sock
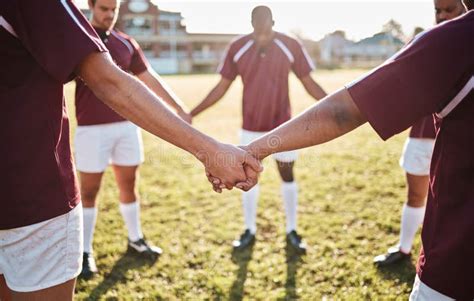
[(289, 192), (249, 204), (412, 218), (90, 219), (131, 216)]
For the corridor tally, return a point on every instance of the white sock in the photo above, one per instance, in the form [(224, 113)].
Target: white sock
[(249, 204), (131, 216), (412, 218), (90, 218), (289, 192)]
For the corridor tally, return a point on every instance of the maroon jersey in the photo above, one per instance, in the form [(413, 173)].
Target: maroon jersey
[(424, 128), (42, 43), (264, 73), (127, 55), (435, 74)]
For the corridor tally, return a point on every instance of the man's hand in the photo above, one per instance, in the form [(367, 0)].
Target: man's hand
[(228, 166), (250, 172)]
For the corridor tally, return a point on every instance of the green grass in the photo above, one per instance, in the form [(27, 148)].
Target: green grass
[(351, 193)]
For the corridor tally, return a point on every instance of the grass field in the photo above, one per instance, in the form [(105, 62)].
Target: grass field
[(351, 193)]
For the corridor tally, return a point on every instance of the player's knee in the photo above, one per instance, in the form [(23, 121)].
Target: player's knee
[(89, 194), (416, 198), (288, 177)]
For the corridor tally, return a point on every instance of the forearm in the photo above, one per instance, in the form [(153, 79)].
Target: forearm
[(214, 96), (316, 91), (160, 88), (313, 88), (334, 116), (133, 100)]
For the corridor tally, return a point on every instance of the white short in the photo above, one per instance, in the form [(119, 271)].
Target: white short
[(248, 136), (42, 255), (97, 146), (416, 157), (422, 292)]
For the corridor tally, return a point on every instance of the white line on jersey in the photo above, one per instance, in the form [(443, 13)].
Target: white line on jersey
[(242, 50), (457, 99), (121, 39), (71, 14), (285, 50), (7, 27)]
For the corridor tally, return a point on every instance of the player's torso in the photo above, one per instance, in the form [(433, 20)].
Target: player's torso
[(258, 65)]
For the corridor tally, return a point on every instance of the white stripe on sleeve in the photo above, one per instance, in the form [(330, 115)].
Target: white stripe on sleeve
[(124, 41), (71, 14), (7, 27), (242, 50), (285, 50)]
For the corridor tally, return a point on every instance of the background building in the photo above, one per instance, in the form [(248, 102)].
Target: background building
[(170, 49), (165, 41)]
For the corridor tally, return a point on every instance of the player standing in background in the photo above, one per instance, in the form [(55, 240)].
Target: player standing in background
[(264, 60), (104, 137)]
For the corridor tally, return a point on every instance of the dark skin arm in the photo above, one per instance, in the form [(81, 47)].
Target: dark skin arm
[(334, 116), (213, 97), (313, 88)]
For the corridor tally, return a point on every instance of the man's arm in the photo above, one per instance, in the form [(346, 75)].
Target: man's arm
[(134, 101), (155, 83), (334, 116), (214, 96), (313, 88)]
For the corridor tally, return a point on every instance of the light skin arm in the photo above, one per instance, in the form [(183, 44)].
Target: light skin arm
[(133, 100), (155, 83), (213, 97), (312, 87)]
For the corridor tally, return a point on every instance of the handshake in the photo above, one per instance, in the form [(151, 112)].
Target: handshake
[(228, 166)]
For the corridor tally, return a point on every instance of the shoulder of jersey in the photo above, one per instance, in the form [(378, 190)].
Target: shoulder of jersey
[(240, 40), (287, 39), (122, 34)]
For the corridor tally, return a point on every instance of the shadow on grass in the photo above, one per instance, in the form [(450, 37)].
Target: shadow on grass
[(118, 273), (404, 271), (293, 262), (242, 259)]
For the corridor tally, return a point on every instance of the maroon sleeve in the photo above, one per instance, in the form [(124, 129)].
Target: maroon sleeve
[(139, 63), (56, 34), (228, 68), (419, 80), (303, 65)]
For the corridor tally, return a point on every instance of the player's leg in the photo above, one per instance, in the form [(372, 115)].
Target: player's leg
[(413, 210), (41, 261), (249, 202), (5, 293), (126, 157), (415, 160), (90, 185), (60, 292), (289, 191), (93, 147)]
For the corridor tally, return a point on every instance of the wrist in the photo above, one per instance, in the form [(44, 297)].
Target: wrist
[(257, 151), (205, 149), (194, 113)]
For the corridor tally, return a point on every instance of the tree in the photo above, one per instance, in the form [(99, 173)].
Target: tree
[(417, 30), (394, 28)]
